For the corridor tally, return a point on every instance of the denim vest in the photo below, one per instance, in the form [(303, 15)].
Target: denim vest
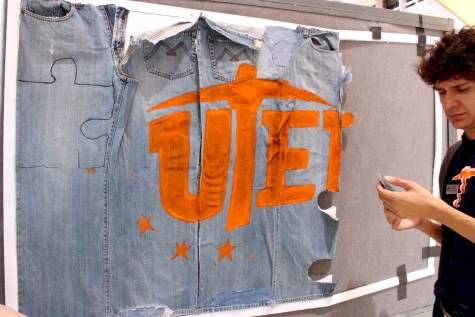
[(231, 136), (69, 102)]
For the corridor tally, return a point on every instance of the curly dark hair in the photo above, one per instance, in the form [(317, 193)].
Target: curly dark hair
[(452, 56)]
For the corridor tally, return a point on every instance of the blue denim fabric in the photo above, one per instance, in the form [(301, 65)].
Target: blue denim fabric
[(309, 59), (68, 103), (161, 260)]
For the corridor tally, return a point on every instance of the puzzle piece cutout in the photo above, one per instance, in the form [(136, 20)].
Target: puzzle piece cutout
[(62, 123)]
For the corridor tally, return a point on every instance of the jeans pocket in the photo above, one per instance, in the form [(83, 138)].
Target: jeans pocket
[(173, 57), (324, 42), (227, 56)]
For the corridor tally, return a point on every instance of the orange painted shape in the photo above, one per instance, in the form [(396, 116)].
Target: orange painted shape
[(281, 158), (245, 72), (331, 122), (91, 170), (216, 156), (347, 120), (169, 136), (226, 250), (144, 224), (181, 250), (239, 213), (466, 173), (297, 159), (190, 97)]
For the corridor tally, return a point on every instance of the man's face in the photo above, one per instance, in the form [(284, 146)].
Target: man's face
[(457, 96)]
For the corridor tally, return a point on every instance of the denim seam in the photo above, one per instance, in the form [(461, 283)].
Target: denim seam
[(117, 32), (105, 11), (120, 22), (219, 309), (249, 306), (117, 107), (122, 61), (19, 246), (303, 298), (121, 19), (183, 312), (276, 257)]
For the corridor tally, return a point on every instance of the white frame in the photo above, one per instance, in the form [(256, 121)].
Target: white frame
[(142, 12)]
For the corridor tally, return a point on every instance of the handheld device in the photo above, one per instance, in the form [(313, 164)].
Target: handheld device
[(385, 184)]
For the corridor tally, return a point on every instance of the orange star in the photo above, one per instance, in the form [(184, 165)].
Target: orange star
[(226, 250), (181, 250), (91, 170), (144, 224)]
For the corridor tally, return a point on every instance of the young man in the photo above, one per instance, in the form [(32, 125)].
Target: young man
[(450, 68)]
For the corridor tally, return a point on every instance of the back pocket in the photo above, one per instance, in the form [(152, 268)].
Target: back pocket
[(173, 57), (227, 55)]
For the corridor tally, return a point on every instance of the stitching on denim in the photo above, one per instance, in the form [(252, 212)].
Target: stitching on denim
[(159, 33), (69, 15), (54, 78), (216, 59), (116, 112), (242, 35), (120, 23), (105, 11), (148, 53)]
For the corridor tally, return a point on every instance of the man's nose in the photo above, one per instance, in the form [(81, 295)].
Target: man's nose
[(451, 100)]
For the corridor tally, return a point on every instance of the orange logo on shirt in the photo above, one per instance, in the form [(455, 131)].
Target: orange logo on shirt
[(466, 173), (169, 136)]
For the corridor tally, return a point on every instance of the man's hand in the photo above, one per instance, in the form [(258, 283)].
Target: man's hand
[(411, 209), (401, 224), (415, 203)]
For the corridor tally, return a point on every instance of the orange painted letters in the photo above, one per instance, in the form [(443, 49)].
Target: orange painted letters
[(169, 136), (280, 158), (331, 122)]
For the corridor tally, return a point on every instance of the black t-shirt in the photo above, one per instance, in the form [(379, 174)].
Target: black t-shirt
[(456, 283)]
